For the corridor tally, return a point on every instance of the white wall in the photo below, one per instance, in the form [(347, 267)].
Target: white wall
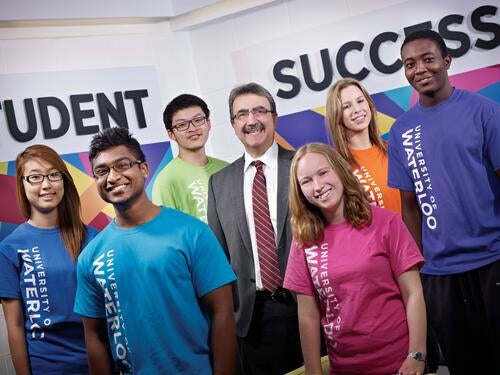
[(212, 58)]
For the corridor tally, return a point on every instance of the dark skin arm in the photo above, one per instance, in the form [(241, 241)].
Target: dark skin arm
[(498, 172), (219, 303), (14, 318), (412, 216), (96, 341)]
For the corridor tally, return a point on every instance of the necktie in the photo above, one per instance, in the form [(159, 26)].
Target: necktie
[(266, 243)]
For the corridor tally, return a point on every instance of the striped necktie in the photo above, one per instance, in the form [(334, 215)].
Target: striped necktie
[(264, 232)]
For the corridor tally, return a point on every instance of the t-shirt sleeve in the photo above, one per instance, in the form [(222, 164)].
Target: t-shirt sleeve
[(162, 194), (89, 298), (209, 266), (9, 277), (91, 233), (492, 138), (403, 251), (398, 177), (297, 276)]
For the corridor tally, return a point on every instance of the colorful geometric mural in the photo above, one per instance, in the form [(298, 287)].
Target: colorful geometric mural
[(293, 130), (95, 211), (299, 128)]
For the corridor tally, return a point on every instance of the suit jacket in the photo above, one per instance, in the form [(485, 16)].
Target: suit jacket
[(227, 219)]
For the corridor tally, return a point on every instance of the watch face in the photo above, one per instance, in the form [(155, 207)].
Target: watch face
[(417, 356)]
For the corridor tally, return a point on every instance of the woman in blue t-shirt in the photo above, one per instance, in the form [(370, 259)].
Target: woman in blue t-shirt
[(38, 273)]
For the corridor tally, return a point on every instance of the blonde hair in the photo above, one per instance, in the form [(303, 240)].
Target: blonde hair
[(336, 125), (308, 223), (70, 224)]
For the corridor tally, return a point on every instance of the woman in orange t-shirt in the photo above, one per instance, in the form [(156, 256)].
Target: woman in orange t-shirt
[(351, 118)]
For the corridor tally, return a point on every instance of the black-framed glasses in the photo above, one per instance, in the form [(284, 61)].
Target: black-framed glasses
[(37, 178), (184, 125), (243, 114), (119, 166)]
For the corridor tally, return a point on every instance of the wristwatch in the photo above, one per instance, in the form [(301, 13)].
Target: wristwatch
[(417, 356)]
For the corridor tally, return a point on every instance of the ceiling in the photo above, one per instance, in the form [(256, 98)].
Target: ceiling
[(31, 10), (34, 16)]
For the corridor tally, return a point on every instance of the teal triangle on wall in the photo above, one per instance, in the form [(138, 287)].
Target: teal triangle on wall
[(401, 96), (491, 91)]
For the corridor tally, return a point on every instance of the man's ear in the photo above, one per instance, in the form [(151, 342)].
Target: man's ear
[(447, 61), (144, 170), (275, 120), (171, 134)]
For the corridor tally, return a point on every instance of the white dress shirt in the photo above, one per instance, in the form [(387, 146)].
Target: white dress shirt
[(270, 168)]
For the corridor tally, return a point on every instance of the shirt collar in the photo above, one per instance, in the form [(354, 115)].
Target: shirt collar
[(269, 158)]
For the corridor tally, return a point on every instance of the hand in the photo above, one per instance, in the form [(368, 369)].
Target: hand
[(412, 367)]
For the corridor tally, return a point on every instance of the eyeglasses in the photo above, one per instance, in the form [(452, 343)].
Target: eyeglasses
[(183, 126), (35, 179), (120, 166), (243, 114)]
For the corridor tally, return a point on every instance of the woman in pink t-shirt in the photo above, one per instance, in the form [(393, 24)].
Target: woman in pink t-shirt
[(354, 268)]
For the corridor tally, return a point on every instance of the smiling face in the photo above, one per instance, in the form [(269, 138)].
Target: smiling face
[(321, 186), (356, 113), (194, 138), (256, 132), (426, 69), (45, 196), (122, 189)]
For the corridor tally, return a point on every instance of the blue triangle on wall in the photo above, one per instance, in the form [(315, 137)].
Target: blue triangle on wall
[(401, 96)]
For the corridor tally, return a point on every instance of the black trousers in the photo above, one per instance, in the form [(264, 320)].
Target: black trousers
[(464, 312), (433, 352), (272, 345)]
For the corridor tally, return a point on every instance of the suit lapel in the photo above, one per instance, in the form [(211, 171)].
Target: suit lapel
[(239, 205), (284, 162)]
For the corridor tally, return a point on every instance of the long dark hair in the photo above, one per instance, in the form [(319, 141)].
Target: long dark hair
[(70, 223)]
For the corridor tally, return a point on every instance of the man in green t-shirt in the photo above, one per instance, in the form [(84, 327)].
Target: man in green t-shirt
[(183, 183)]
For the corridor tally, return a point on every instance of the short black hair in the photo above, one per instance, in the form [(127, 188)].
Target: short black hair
[(112, 137), (427, 34), (181, 102), (250, 88)]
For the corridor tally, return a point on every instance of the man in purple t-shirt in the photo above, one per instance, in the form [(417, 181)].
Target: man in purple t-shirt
[(444, 156)]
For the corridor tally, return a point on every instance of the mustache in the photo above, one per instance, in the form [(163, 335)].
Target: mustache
[(250, 128)]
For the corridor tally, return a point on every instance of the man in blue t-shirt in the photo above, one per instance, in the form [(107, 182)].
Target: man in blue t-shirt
[(155, 279), (444, 156)]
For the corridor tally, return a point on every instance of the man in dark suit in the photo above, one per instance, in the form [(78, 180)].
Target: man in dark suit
[(246, 199)]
